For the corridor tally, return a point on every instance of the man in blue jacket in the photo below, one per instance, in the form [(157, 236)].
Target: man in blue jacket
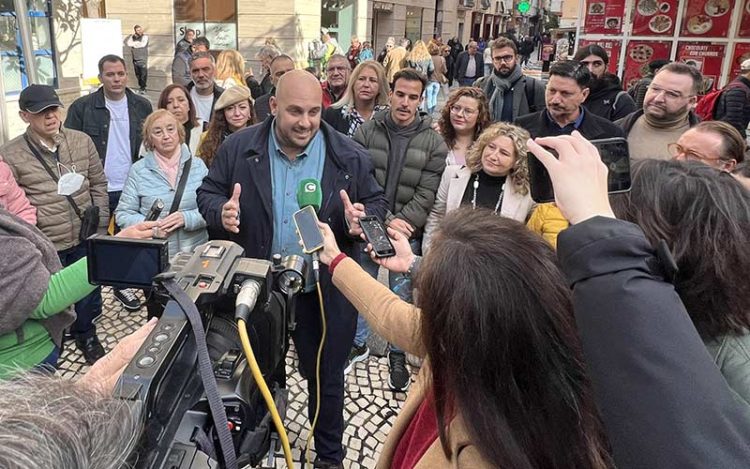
[(250, 194)]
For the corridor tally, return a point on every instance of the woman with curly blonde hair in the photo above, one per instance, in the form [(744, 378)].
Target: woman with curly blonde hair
[(496, 176), (230, 66)]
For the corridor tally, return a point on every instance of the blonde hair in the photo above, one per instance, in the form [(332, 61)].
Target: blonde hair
[(230, 64), (519, 174), (419, 52), (149, 123), (383, 87)]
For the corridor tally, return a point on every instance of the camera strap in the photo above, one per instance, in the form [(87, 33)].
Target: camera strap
[(181, 187), (218, 413)]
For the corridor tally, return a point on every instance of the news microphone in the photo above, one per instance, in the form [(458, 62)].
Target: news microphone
[(246, 298), (309, 194)]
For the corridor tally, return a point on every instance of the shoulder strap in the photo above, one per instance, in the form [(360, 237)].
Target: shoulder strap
[(181, 187), (529, 88), (617, 98), (36, 154)]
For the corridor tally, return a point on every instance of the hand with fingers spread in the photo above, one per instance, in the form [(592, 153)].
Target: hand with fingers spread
[(352, 212), (579, 177), (401, 226), (230, 212), (104, 374), (404, 257), (172, 222)]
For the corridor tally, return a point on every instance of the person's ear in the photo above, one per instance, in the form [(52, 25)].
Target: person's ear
[(24, 116), (273, 104), (585, 92)]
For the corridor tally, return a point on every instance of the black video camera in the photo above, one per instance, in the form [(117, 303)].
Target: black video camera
[(163, 382)]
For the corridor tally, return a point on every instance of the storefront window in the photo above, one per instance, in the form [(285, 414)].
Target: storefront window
[(12, 59), (338, 17), (413, 24), (215, 19)]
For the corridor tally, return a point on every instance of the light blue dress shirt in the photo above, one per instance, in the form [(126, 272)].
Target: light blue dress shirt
[(285, 177)]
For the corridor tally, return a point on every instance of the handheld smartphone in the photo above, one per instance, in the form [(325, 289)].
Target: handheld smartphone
[(376, 235), (306, 221), (155, 210), (614, 153), (126, 263)]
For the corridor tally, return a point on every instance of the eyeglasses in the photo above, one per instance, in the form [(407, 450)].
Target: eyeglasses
[(464, 111), (668, 94), (504, 59), (675, 149), (161, 133)]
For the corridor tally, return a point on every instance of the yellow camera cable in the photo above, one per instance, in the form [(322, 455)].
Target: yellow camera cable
[(258, 376)]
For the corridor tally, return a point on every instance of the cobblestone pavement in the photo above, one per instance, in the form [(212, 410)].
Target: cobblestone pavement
[(370, 406)]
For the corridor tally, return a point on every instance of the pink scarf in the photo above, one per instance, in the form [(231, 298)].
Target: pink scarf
[(170, 166)]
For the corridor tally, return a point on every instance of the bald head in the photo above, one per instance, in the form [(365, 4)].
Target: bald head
[(297, 106), (300, 83)]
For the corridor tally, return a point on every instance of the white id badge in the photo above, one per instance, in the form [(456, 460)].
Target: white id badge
[(69, 183)]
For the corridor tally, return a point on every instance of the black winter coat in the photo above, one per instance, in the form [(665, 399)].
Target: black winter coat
[(593, 127), (607, 99), (733, 105), (89, 114), (663, 401), (243, 158)]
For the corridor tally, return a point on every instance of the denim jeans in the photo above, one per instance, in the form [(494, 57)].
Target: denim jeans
[(400, 284), (91, 305), (431, 96), (49, 364)]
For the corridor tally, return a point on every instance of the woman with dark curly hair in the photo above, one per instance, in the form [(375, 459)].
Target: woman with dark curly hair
[(704, 216), (233, 111), (496, 176), (462, 119)]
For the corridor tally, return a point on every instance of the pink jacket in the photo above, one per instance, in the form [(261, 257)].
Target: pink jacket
[(13, 198)]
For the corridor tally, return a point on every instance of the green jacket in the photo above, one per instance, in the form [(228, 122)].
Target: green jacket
[(420, 176)]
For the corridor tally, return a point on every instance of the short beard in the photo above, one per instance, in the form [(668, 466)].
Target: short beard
[(501, 74)]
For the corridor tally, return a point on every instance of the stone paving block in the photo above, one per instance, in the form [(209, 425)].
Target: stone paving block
[(370, 406)]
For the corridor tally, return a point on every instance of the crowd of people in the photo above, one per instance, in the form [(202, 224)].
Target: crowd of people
[(591, 356)]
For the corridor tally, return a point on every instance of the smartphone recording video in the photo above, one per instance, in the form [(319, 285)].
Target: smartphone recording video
[(613, 152), (376, 235)]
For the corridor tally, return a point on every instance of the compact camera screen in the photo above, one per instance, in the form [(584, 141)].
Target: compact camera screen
[(126, 263)]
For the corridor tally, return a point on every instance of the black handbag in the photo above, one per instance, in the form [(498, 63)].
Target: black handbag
[(89, 218)]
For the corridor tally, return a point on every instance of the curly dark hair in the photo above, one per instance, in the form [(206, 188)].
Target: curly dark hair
[(703, 214), (483, 119), (216, 133)]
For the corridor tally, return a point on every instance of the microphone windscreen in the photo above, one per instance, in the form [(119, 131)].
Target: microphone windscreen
[(309, 193)]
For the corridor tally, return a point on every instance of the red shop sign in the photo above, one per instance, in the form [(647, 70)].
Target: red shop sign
[(744, 30), (639, 54), (612, 46), (705, 56), (741, 53), (655, 17), (604, 17), (707, 18)]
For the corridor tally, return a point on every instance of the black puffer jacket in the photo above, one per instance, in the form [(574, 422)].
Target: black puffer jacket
[(608, 100), (733, 105)]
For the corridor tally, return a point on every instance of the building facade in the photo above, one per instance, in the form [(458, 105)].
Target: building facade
[(46, 41)]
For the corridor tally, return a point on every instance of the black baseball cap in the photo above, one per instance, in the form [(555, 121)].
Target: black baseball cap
[(37, 98)]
